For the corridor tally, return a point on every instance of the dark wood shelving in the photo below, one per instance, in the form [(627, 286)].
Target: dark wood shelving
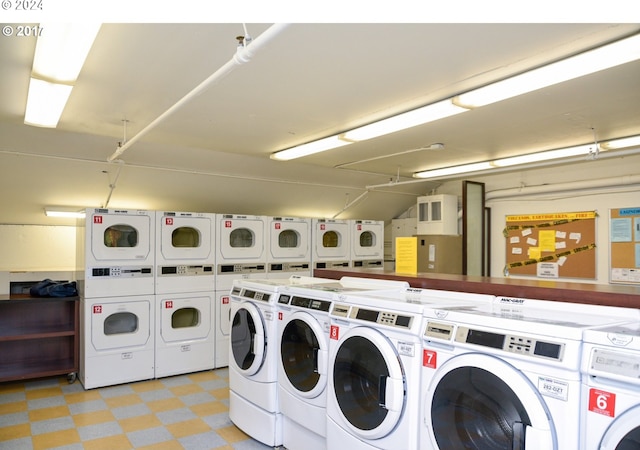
[(39, 337)]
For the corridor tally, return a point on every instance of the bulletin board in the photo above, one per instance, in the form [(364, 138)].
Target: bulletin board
[(624, 245), (551, 245)]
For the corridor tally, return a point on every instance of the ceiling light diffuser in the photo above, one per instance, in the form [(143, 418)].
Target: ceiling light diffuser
[(45, 103), (310, 148), (65, 212), (633, 141)]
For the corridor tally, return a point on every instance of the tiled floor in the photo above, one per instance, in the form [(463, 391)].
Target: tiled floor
[(182, 412)]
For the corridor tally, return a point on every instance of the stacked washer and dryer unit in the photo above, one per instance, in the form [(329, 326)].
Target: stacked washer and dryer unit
[(507, 375), (184, 287), (115, 276), (241, 253)]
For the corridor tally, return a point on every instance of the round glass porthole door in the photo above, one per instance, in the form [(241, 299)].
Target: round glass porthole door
[(303, 355), (624, 432), (479, 402), (248, 343), (368, 383)]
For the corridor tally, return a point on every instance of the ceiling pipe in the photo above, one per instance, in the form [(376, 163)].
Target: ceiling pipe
[(627, 181), (242, 56)]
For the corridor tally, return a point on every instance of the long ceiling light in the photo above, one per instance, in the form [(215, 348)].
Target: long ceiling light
[(61, 50), (605, 57), (64, 211), (530, 158), (601, 58)]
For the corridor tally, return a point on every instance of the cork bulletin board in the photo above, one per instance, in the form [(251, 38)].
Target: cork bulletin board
[(551, 245), (624, 245)]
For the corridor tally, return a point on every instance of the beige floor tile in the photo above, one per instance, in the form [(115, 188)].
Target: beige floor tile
[(188, 428), (119, 442), (10, 408), (232, 434), (209, 408), (123, 400), (55, 439), (84, 396), (220, 393), (147, 421), (186, 389), (93, 417), (146, 386), (43, 393), (53, 412), (14, 432)]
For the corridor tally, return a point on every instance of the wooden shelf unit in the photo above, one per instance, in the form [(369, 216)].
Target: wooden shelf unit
[(38, 337)]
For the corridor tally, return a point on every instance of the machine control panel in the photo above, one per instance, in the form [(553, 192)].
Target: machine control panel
[(310, 303), (122, 272), (331, 264), (288, 267), (340, 310), (624, 365), (224, 269), (522, 345), (439, 330), (185, 270), (381, 317), (256, 295)]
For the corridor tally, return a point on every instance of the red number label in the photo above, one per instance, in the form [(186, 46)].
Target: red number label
[(430, 359), (97, 219), (227, 224), (168, 304), (168, 221), (225, 300), (334, 333), (278, 225), (97, 309), (602, 402), (280, 315)]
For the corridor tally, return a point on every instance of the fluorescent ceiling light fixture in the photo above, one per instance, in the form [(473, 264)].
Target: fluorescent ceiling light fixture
[(581, 150), (605, 57), (455, 170), (61, 50), (633, 141), (45, 103), (60, 53), (65, 212), (425, 114), (310, 148)]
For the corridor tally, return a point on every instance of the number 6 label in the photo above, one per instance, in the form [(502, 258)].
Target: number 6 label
[(602, 402)]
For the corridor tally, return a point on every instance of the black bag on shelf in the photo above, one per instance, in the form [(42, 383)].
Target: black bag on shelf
[(50, 288)]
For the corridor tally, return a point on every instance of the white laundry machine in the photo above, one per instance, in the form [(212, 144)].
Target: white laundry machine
[(241, 253), (289, 244), (505, 375), (610, 415), (116, 340), (115, 253), (185, 252), (304, 326), (330, 243), (254, 353), (184, 339), (367, 243)]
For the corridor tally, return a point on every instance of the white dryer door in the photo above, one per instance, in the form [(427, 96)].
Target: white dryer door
[(119, 237), (368, 239), (248, 339), (115, 326), (479, 402), (185, 318), (331, 240), (186, 238), (369, 385), (303, 355), (241, 238), (624, 432), (289, 239)]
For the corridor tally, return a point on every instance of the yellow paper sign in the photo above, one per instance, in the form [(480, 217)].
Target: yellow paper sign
[(407, 254)]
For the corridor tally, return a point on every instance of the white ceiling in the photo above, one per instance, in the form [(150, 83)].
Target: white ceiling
[(308, 82)]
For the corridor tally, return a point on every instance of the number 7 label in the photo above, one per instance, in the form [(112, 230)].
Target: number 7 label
[(430, 359)]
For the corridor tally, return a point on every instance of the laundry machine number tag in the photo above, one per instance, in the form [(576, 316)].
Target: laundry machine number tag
[(429, 359), (97, 309), (334, 333), (97, 219), (168, 221), (602, 402), (168, 304)]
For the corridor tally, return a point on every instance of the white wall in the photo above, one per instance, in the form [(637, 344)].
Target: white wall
[(37, 248)]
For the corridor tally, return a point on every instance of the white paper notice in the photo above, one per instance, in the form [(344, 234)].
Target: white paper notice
[(562, 260), (561, 244), (514, 240), (575, 237), (561, 234), (516, 251), (532, 241), (527, 232)]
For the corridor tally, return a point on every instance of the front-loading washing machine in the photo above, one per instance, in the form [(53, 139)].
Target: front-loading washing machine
[(330, 243), (610, 415), (115, 253), (254, 356), (184, 339), (505, 375), (367, 243), (116, 340), (185, 252), (289, 244), (303, 342), (241, 253)]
